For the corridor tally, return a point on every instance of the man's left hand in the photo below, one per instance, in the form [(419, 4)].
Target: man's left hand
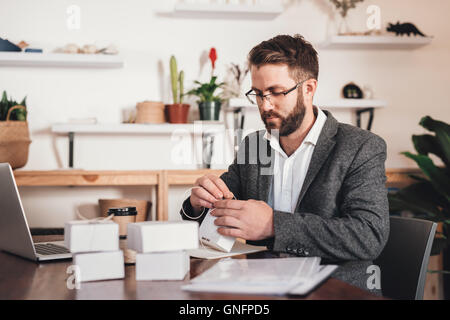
[(249, 220)]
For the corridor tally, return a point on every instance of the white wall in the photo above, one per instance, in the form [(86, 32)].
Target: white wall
[(415, 83)]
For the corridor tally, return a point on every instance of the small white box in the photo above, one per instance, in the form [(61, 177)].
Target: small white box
[(210, 237), (94, 266), (162, 265), (91, 236), (159, 236)]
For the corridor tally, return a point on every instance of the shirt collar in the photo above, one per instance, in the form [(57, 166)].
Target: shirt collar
[(311, 137)]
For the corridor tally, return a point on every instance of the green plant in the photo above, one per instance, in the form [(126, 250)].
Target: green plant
[(177, 80), (205, 91), (344, 5), (429, 198), (6, 104)]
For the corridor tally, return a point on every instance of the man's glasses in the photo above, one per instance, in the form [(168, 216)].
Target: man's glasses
[(272, 97)]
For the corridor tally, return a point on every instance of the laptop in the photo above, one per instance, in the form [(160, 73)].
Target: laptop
[(15, 236)]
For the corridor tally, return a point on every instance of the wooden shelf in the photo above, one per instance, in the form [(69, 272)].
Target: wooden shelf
[(188, 177), (161, 179), (118, 128), (231, 11), (375, 42), (86, 178), (26, 59), (399, 178)]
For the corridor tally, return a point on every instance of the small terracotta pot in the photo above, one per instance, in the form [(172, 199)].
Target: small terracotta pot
[(177, 112)]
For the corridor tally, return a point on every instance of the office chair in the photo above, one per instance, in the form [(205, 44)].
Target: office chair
[(404, 260)]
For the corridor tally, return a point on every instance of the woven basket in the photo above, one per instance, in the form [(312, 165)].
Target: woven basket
[(142, 206), (150, 112), (14, 141)]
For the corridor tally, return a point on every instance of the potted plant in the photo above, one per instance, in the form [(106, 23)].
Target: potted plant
[(14, 134), (343, 6), (209, 104), (429, 197), (177, 112)]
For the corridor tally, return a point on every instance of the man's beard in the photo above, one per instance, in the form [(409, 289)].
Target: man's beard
[(290, 123)]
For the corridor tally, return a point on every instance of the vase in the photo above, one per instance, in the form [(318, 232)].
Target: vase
[(150, 112), (14, 140), (177, 112), (209, 110), (343, 28)]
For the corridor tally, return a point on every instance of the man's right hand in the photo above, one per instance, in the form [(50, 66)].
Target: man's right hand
[(210, 189)]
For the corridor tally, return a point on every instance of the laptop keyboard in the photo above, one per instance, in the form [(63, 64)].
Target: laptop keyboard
[(50, 248)]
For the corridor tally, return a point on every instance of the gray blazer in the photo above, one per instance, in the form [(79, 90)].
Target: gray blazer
[(342, 211)]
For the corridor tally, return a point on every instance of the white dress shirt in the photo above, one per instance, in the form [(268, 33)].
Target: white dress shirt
[(290, 172)]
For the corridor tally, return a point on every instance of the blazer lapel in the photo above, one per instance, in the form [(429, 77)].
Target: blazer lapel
[(265, 174), (324, 145)]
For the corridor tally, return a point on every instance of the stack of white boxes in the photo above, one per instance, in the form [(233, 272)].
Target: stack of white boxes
[(95, 248), (161, 248)]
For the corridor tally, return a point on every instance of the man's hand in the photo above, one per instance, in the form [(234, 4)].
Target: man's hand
[(210, 189), (249, 220)]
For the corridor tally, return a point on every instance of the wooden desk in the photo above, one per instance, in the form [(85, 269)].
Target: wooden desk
[(24, 279)]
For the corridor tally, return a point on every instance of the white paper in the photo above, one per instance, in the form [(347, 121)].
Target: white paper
[(205, 252), (211, 237), (260, 276), (305, 286), (171, 265), (160, 236), (94, 266), (91, 236)]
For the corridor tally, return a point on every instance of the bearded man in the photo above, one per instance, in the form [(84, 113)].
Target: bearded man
[(307, 185)]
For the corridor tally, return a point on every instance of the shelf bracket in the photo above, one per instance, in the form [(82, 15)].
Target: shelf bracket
[(358, 117), (208, 147), (71, 140), (239, 117)]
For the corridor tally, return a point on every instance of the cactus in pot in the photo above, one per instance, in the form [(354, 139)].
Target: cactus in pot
[(181, 82), (178, 111)]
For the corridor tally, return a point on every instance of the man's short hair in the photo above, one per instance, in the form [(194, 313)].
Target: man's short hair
[(299, 55)]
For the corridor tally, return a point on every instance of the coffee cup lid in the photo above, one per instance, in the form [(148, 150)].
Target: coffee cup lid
[(123, 211)]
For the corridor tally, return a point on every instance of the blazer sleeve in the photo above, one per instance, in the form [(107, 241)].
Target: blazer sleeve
[(360, 230), (233, 181)]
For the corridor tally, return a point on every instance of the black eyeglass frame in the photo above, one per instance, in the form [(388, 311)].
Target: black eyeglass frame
[(263, 96)]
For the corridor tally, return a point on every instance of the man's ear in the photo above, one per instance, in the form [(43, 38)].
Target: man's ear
[(310, 87)]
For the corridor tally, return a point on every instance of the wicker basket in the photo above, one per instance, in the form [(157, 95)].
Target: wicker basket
[(142, 206), (14, 141), (150, 112)]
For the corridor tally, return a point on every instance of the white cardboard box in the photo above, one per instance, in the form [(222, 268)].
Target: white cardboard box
[(211, 237), (172, 265), (94, 266), (91, 236), (159, 236)]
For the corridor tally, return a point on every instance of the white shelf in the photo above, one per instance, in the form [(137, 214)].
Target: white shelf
[(325, 104), (227, 11), (237, 103), (351, 104), (117, 128), (375, 42), (28, 59)]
